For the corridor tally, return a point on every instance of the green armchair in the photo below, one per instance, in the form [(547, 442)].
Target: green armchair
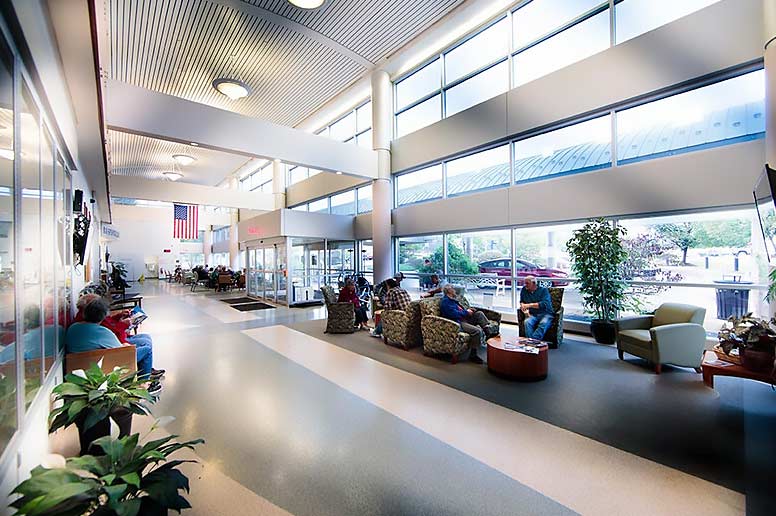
[(554, 333), (441, 336), (402, 327), (674, 335)]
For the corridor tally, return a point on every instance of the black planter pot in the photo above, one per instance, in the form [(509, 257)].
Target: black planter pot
[(603, 331), (122, 418), (757, 360)]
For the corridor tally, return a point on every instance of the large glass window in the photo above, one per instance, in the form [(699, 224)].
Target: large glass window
[(30, 264), (319, 206), (711, 248), (344, 203), (481, 259), (571, 45), (48, 234), (728, 111), (425, 113), (343, 129), (365, 139), (422, 254), (8, 265), (421, 185), (296, 174), (478, 171), (419, 84), (484, 48), (483, 86), (635, 17), (364, 196), (541, 17), (364, 117), (577, 148)]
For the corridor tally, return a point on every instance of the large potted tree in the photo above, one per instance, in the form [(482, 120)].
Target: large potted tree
[(598, 254)]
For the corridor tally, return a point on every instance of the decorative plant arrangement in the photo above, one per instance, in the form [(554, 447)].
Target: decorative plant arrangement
[(598, 254), (130, 479), (80, 236), (118, 276), (753, 338), (89, 398)]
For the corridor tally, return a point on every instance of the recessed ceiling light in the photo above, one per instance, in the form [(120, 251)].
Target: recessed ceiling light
[(173, 176), (232, 88), (339, 173), (307, 4), (184, 160), (194, 144), (6, 154)]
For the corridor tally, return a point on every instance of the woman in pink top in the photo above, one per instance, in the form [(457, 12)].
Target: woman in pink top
[(348, 295)]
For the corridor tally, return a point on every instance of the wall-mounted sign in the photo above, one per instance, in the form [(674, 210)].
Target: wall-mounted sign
[(109, 231)]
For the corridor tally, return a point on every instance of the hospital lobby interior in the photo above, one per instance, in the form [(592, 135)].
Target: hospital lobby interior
[(387, 257)]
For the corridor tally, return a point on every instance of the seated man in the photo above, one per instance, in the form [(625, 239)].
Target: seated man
[(381, 290), (89, 335), (536, 304), (436, 287), (471, 321), (395, 299)]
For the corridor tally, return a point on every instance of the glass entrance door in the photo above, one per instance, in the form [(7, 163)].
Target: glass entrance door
[(266, 273)]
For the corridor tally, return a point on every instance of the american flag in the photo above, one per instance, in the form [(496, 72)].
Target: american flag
[(185, 221)]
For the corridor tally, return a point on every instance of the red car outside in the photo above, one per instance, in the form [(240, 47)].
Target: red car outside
[(502, 267)]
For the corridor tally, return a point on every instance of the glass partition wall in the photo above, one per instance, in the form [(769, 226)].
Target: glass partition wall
[(712, 259)]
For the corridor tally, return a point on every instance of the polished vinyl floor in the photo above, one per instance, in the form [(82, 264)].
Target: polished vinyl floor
[(294, 424)]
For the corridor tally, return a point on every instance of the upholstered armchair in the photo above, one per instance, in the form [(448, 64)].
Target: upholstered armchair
[(402, 327), (674, 335), (341, 316), (554, 333), (441, 336)]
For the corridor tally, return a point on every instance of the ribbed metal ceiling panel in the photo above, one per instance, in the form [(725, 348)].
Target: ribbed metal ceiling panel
[(148, 158), (179, 47)]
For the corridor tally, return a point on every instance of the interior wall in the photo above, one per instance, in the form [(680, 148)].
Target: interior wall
[(723, 35), (145, 233), (717, 177)]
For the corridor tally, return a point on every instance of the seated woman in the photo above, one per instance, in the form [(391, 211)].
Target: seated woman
[(89, 335), (348, 295)]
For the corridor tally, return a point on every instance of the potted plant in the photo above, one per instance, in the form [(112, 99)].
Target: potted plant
[(598, 254), (91, 398), (118, 276), (130, 479), (754, 338)]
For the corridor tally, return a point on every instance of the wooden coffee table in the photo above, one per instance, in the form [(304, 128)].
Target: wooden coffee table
[(719, 368), (515, 364)]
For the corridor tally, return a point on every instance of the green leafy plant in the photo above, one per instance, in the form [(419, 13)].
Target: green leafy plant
[(130, 479), (771, 295), (748, 332), (93, 395), (118, 276), (598, 254)]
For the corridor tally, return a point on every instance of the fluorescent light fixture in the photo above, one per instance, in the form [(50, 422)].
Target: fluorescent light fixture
[(6, 154), (307, 4), (232, 88), (173, 176), (184, 160)]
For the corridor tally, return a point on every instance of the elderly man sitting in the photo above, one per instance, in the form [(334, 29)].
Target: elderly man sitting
[(536, 304), (472, 321)]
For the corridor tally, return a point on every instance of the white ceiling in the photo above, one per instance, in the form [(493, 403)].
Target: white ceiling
[(148, 158), (294, 60)]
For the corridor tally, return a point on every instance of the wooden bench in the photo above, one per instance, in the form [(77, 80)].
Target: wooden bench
[(124, 356)]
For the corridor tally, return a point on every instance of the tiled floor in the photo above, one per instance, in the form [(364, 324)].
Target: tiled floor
[(311, 428)]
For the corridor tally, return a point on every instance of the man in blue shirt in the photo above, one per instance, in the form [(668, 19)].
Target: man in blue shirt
[(472, 322), (536, 304)]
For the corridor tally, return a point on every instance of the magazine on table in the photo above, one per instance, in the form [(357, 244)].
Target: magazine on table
[(520, 348), (136, 317)]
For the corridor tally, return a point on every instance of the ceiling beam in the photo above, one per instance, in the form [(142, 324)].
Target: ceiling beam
[(137, 110), (260, 12)]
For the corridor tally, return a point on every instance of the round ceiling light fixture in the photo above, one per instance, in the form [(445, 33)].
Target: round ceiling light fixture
[(173, 176), (232, 88), (183, 160), (307, 4)]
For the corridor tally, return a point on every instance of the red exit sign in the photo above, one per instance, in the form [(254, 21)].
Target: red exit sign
[(167, 250)]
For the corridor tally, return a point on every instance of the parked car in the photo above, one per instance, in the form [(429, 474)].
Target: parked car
[(523, 268)]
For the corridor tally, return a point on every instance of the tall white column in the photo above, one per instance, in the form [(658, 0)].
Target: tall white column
[(382, 118), (279, 184), (234, 245), (207, 243)]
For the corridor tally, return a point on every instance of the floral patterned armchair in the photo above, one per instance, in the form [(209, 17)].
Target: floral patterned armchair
[(341, 316), (493, 316), (441, 336), (554, 333), (402, 328)]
